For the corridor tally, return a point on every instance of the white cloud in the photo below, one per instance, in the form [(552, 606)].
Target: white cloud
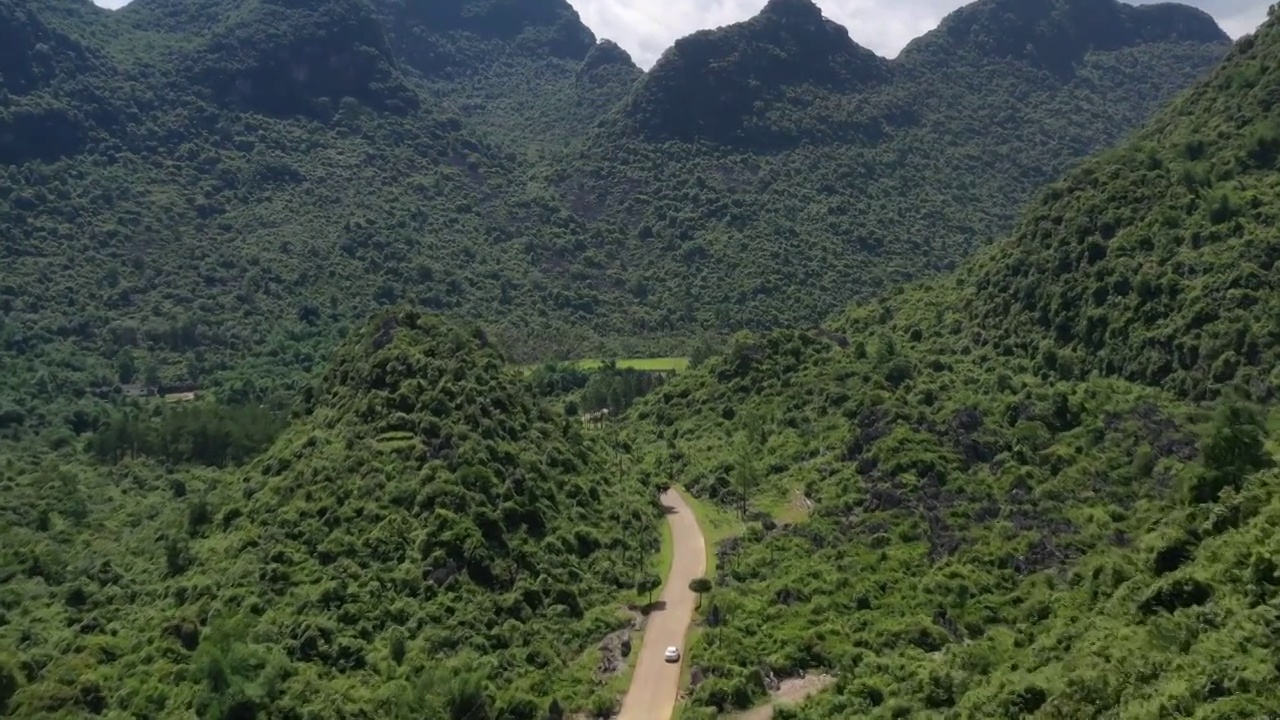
[(647, 27)]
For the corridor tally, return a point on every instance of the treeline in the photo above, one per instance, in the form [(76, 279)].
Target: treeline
[(204, 434)]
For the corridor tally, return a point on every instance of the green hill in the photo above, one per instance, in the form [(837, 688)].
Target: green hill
[(1154, 262), (428, 539), (999, 493)]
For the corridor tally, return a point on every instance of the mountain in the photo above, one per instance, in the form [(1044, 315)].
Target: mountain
[(186, 206), (427, 536), (1148, 262), (277, 57), (527, 71), (768, 173), (711, 84), (1057, 35), (201, 190), (1002, 493)]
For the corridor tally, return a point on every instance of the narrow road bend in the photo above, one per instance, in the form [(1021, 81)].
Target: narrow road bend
[(655, 686)]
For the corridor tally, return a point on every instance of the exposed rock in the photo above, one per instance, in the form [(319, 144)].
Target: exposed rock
[(614, 650)]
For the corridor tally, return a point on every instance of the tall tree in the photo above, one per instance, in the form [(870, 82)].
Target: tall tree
[(647, 584), (700, 585)]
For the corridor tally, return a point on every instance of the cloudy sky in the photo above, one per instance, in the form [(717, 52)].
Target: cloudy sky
[(647, 27)]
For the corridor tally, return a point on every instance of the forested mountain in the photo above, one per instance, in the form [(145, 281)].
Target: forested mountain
[(427, 540), (202, 194), (998, 494), (527, 70), (779, 170), (203, 191)]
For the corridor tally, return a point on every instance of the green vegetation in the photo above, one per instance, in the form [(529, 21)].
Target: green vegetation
[(200, 198), (598, 390), (1154, 262), (717, 525), (427, 539), (941, 506), (1016, 511), (856, 173), (666, 364), (1041, 486)]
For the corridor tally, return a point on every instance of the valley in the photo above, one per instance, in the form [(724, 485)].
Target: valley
[(394, 359)]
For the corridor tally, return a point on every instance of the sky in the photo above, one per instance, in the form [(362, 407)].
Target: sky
[(645, 28)]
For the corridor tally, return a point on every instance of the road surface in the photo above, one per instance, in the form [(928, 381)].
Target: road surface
[(655, 686)]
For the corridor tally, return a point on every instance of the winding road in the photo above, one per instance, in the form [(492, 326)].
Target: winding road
[(655, 686)]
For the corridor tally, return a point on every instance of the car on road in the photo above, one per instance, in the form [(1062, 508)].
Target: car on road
[(672, 654)]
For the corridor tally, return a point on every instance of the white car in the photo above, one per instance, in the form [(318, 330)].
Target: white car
[(672, 654)]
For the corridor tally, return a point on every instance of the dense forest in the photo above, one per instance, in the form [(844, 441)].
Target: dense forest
[(1043, 486), (981, 348), (429, 540), (195, 190)]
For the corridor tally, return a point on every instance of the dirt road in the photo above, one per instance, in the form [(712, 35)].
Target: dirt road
[(655, 685)]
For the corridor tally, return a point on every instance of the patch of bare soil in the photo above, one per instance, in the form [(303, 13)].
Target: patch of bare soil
[(790, 691)]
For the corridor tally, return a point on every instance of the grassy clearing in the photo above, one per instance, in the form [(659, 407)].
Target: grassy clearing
[(661, 364), (788, 509)]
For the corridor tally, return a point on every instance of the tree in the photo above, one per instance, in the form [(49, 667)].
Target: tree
[(647, 584), (700, 585), (746, 470), (703, 350), (126, 366), (1233, 448), (238, 678)]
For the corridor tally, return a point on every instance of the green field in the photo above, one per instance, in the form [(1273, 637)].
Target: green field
[(661, 364)]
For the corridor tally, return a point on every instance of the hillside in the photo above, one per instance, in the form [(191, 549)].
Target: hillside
[(1151, 262), (976, 497), (952, 537), (1154, 262), (427, 540), (219, 202), (772, 171), (210, 213)]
